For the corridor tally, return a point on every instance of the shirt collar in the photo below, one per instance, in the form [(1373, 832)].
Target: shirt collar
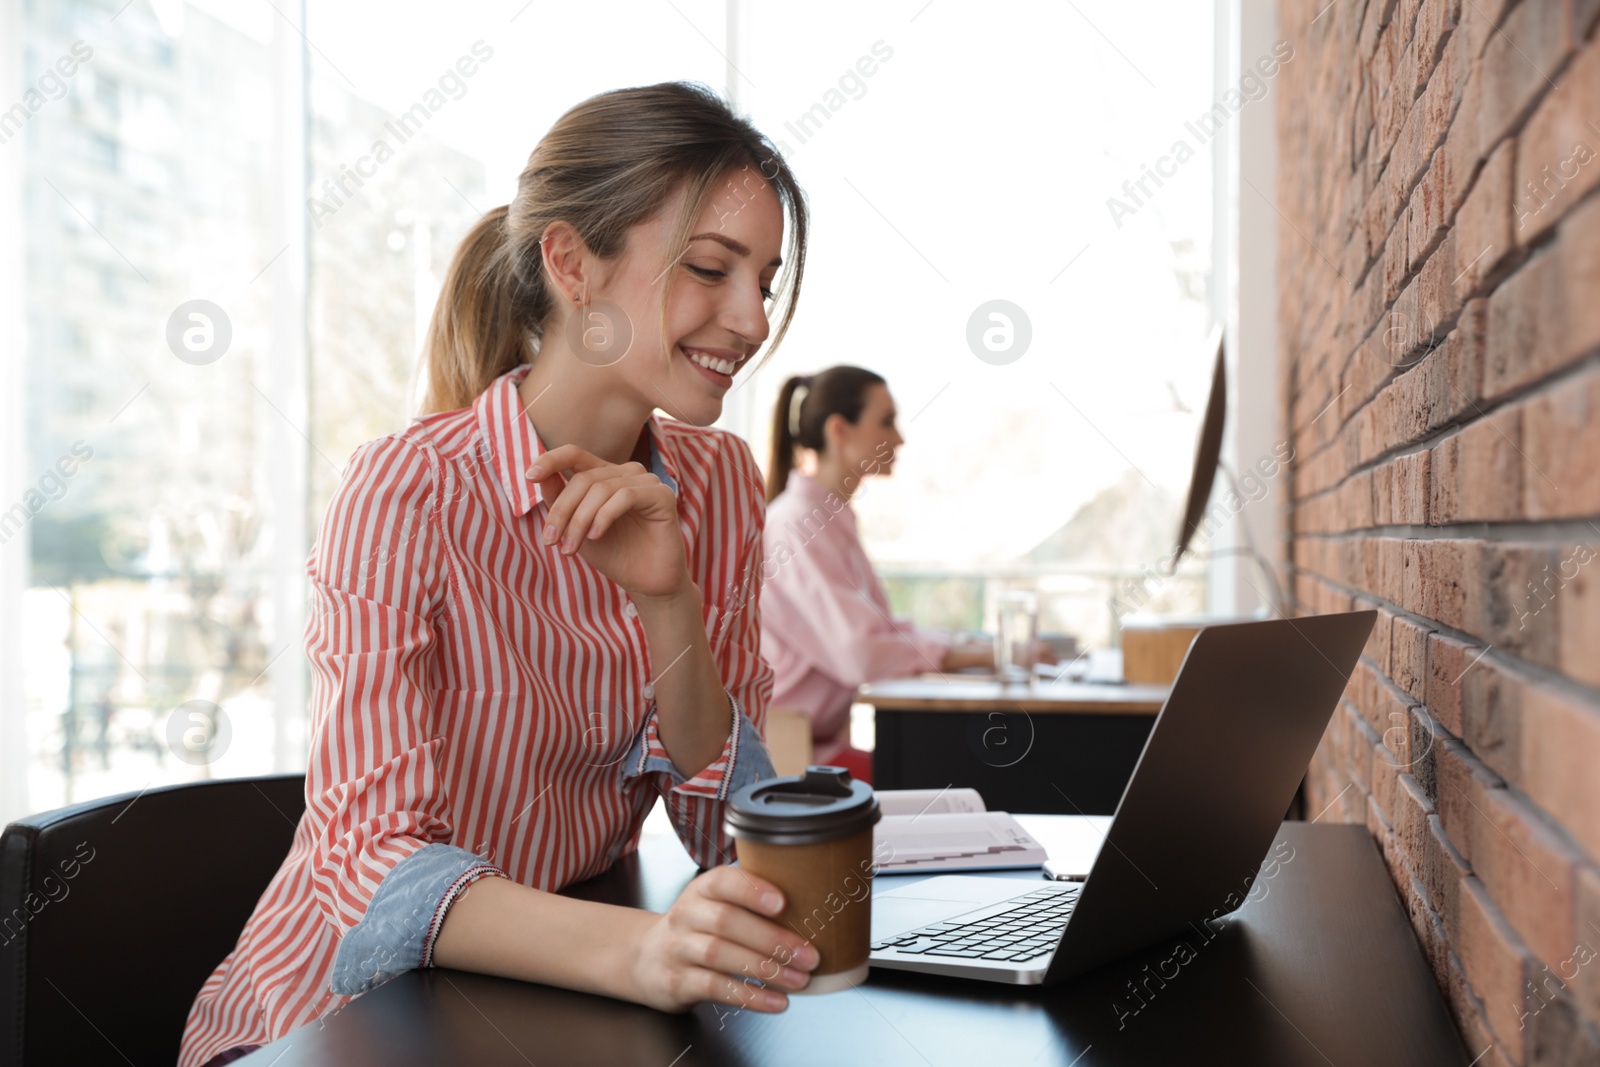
[(514, 445)]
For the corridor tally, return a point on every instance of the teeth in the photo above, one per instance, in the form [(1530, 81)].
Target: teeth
[(721, 366)]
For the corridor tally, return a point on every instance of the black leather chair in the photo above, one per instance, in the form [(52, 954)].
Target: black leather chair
[(114, 912)]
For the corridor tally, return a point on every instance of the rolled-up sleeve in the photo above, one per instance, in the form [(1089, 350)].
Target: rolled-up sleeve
[(383, 873)]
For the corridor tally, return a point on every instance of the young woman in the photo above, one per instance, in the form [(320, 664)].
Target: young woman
[(826, 627), (528, 620)]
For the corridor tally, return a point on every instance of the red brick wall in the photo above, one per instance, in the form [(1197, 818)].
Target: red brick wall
[(1439, 325)]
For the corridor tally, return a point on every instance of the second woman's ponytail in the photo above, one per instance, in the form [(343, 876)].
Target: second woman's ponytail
[(785, 431)]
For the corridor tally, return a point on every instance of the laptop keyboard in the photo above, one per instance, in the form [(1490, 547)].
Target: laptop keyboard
[(1014, 930)]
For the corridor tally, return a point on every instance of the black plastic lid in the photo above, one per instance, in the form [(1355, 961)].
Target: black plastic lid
[(823, 804)]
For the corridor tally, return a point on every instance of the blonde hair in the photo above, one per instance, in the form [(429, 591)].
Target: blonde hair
[(607, 164)]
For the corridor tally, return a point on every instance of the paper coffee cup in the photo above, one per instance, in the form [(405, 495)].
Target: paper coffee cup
[(811, 836)]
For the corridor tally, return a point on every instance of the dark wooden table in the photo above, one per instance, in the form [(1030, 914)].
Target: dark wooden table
[(1059, 747), (1322, 968)]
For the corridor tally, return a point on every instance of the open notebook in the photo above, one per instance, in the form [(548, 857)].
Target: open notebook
[(948, 830)]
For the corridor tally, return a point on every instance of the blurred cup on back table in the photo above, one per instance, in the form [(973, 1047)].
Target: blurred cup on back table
[(1014, 637), (811, 836)]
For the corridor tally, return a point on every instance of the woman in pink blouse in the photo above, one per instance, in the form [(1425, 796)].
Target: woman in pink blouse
[(825, 621), (528, 619)]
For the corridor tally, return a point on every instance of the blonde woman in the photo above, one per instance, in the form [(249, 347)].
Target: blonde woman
[(527, 622)]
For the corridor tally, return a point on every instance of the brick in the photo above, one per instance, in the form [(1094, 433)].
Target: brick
[(1526, 327), (1583, 973), (1560, 750), (1477, 474), (1578, 585), (1427, 734), (1429, 928), (1528, 871), (1412, 809), (1557, 1034), (1561, 440), (1478, 22), (1386, 774), (1387, 711), (1518, 62), (1452, 374), (1427, 218), (1383, 494), (1558, 155), (1377, 646), (1491, 717), (1408, 657), (1462, 778), (1449, 660), (1483, 226), (1392, 581), (1435, 579), (1357, 504), (1582, 15), (1410, 489), (1505, 605), (1442, 870), (1468, 1012), (1436, 20), (1360, 745), (1579, 277), (1461, 145), (1494, 963), (1377, 824), (1393, 261)]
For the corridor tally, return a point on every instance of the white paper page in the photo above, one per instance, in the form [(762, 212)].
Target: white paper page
[(927, 801), (962, 840)]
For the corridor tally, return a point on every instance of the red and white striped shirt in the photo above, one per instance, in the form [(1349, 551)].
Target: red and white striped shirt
[(474, 692)]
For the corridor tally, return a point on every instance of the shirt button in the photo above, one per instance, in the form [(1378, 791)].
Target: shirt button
[(630, 611), (648, 692)]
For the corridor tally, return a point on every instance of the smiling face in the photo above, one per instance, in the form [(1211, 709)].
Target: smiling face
[(716, 316)]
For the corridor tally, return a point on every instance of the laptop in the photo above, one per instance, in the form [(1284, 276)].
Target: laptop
[(1219, 769)]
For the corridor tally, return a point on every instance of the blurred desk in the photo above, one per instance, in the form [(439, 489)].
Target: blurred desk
[(1321, 967), (1065, 748)]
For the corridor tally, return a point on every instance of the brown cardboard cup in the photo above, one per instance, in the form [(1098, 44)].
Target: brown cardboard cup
[(811, 836)]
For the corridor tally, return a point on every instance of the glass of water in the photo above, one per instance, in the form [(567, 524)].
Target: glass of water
[(1014, 637)]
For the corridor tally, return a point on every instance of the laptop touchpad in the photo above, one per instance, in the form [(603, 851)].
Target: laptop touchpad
[(933, 900)]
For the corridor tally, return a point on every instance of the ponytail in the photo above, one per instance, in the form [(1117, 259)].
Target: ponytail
[(609, 163), (785, 422), (478, 329), (804, 406)]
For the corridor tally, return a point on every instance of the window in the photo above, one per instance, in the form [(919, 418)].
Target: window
[(957, 155), (206, 339)]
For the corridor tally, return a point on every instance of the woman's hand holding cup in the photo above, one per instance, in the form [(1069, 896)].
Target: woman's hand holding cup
[(718, 934)]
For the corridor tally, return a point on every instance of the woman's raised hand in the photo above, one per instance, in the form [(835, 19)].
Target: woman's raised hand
[(718, 933), (618, 516)]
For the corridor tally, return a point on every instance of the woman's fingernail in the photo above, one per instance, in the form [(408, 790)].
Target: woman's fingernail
[(550, 534), (796, 978), (776, 1001), (807, 956), (535, 472), (772, 902)]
